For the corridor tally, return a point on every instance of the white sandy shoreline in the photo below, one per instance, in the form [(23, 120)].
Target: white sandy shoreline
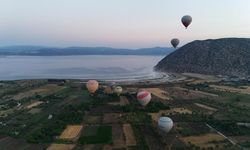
[(159, 77)]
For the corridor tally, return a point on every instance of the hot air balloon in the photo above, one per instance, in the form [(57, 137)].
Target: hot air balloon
[(118, 90), (186, 20), (111, 84), (144, 97), (165, 124), (175, 42), (108, 90), (92, 86)]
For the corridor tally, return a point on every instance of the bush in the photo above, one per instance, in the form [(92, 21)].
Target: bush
[(245, 144)]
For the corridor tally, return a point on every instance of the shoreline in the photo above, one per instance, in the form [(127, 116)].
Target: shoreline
[(161, 77)]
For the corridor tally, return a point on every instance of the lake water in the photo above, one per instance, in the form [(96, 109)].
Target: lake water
[(78, 67)]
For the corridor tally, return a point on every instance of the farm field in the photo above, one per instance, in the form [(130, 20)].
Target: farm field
[(129, 135), (242, 89), (96, 134), (63, 115), (61, 147), (206, 140), (43, 90), (71, 132), (159, 93)]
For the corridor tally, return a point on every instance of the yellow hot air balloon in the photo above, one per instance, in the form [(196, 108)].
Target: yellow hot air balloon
[(92, 86)]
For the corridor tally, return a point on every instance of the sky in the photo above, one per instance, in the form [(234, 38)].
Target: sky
[(119, 23)]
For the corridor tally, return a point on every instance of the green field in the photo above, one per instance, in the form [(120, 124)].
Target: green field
[(96, 135)]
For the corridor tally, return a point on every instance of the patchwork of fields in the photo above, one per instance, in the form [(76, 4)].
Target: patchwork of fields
[(64, 116)]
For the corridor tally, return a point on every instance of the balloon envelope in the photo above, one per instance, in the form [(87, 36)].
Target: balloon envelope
[(143, 97), (165, 124), (92, 86), (111, 84), (108, 90), (118, 90), (175, 42), (186, 20)]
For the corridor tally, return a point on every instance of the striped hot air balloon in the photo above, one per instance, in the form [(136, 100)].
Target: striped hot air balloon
[(92, 86), (143, 97)]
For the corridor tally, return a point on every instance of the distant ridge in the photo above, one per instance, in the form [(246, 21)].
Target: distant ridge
[(54, 51), (227, 56)]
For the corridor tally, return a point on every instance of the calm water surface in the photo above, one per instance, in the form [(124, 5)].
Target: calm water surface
[(78, 67)]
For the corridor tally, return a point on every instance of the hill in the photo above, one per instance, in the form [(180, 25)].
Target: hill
[(54, 51), (227, 56)]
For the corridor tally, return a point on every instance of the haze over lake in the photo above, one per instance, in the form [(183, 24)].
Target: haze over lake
[(78, 67)]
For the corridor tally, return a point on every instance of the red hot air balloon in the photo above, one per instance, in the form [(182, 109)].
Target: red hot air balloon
[(144, 97), (186, 20)]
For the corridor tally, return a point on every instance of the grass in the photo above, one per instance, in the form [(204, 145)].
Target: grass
[(36, 128), (63, 141), (90, 131), (235, 84), (231, 106), (137, 118), (151, 107), (103, 136), (187, 129), (230, 128), (245, 144), (140, 140), (45, 133)]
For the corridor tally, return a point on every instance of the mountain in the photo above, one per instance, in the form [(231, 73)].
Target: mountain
[(53, 51), (227, 56)]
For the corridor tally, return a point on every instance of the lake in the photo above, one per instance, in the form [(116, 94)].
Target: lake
[(111, 67)]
